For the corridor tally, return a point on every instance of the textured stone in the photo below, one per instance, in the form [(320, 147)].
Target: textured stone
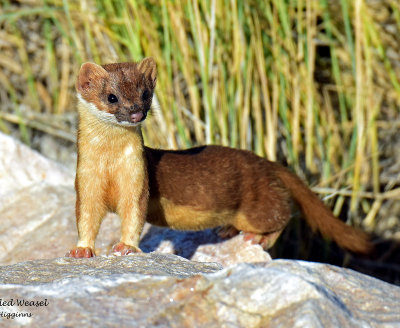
[(21, 167), (161, 290)]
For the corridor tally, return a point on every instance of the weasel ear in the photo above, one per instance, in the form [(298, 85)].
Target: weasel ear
[(89, 77), (148, 67)]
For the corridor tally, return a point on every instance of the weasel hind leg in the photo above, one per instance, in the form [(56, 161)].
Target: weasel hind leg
[(227, 232), (266, 240)]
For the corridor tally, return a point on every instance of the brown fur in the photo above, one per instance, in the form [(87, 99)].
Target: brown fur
[(191, 189), (230, 185)]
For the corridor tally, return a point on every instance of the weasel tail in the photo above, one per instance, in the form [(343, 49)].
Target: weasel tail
[(320, 218)]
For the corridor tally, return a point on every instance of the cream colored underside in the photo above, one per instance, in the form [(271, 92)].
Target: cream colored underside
[(188, 218)]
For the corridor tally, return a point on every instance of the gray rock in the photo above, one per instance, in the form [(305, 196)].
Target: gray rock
[(161, 290), (21, 167)]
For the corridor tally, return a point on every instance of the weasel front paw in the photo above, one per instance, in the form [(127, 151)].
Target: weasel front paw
[(79, 252), (123, 249)]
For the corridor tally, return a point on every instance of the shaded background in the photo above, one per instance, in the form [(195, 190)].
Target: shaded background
[(314, 85)]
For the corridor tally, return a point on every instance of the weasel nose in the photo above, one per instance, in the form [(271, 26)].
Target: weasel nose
[(136, 117)]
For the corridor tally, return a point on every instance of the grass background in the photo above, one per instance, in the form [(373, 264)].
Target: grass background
[(312, 84)]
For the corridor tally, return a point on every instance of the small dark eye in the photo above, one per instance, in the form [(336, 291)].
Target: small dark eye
[(112, 98), (145, 95)]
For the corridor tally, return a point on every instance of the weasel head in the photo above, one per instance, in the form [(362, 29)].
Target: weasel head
[(118, 93)]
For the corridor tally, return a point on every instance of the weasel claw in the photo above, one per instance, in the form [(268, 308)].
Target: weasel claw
[(80, 252), (123, 249)]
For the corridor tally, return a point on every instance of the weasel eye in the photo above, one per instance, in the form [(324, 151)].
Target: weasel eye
[(145, 95), (112, 98)]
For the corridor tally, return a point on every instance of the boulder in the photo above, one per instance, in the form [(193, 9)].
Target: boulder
[(164, 290)]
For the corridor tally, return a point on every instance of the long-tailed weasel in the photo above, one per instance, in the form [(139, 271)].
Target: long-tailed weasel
[(197, 188)]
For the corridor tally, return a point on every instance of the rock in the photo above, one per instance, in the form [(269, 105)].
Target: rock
[(21, 167), (162, 290), (37, 215), (203, 246)]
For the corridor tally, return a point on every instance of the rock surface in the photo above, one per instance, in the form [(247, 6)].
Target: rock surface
[(37, 217), (163, 290)]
